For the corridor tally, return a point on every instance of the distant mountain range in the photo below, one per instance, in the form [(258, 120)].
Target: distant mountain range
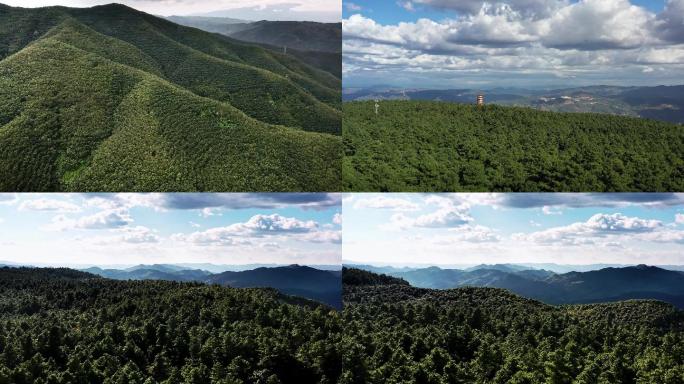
[(664, 103), (602, 285), (311, 283), (317, 44)]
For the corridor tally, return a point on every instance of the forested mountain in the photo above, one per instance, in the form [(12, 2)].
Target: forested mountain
[(664, 103), (317, 44), (402, 334), (355, 276), (65, 326), (314, 284), (604, 285), (436, 146), (324, 286), (109, 98)]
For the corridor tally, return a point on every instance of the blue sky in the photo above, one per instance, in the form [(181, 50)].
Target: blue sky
[(469, 229), (512, 43), (129, 229)]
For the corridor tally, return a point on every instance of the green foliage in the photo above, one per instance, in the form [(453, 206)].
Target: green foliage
[(112, 99), (433, 146), (402, 334), (355, 276), (63, 326)]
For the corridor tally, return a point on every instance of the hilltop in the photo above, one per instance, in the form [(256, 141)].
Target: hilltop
[(110, 98), (438, 146)]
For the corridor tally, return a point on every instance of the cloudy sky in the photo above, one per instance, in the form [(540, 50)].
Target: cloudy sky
[(314, 10), (469, 229), (512, 43), (116, 229)]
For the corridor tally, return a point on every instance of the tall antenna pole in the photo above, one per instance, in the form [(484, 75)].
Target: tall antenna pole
[(284, 49), (377, 106)]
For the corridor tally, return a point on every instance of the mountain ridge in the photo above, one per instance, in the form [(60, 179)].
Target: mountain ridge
[(109, 98)]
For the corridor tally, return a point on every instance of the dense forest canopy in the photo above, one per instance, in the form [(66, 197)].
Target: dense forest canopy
[(65, 326), (109, 98), (435, 146), (402, 334)]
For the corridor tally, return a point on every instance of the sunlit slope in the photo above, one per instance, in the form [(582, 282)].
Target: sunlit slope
[(438, 146), (270, 87), (82, 111)]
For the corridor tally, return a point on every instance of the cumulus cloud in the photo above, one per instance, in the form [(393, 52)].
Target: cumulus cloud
[(337, 219), (592, 39), (262, 226), (138, 235), (48, 205), (447, 216), (598, 226), (108, 219)]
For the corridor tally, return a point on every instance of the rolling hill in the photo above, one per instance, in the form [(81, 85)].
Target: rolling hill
[(65, 326), (315, 284), (317, 44), (109, 98), (311, 283), (662, 102), (403, 334), (603, 285), (436, 146)]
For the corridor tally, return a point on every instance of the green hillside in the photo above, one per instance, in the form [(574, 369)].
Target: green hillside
[(65, 327), (434, 146), (109, 98), (401, 334)]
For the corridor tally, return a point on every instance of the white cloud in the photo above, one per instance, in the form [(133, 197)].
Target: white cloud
[(334, 237), (43, 204), (598, 226), (383, 202), (138, 235), (194, 225), (208, 212), (108, 219), (337, 218), (258, 226), (490, 41), (447, 216)]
